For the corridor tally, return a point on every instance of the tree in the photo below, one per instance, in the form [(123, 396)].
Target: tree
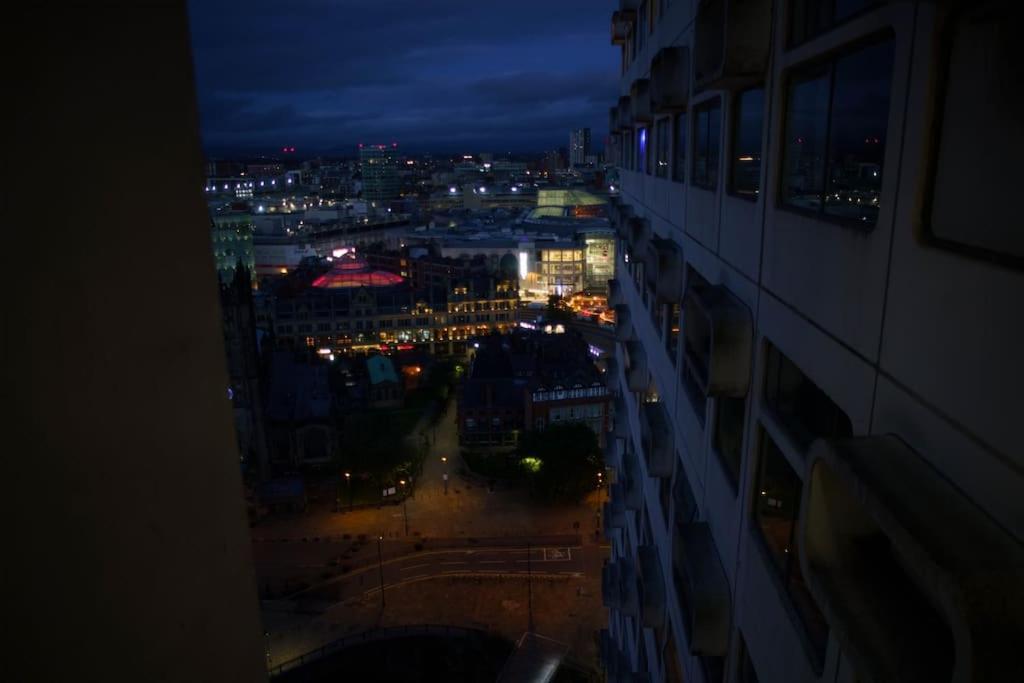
[(557, 311), (561, 461)]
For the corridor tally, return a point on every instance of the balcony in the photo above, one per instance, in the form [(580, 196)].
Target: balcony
[(632, 486), (664, 269), (629, 590), (625, 114), (640, 234), (620, 423), (623, 323), (717, 341), (610, 592), (658, 439), (702, 590), (622, 25), (652, 586), (610, 452), (731, 43), (917, 583), (614, 516), (670, 80), (640, 99), (615, 295), (637, 376), (620, 219), (611, 374)]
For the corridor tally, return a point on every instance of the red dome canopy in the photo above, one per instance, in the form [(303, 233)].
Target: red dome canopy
[(353, 271)]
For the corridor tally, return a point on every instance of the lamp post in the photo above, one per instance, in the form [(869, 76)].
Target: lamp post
[(348, 480), (405, 510), (380, 568), (444, 459)]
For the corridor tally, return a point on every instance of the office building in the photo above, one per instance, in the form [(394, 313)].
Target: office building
[(379, 168), (231, 234), (818, 286), (579, 146)]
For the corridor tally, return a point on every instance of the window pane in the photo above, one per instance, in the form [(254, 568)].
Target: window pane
[(643, 164), (746, 159), (806, 411), (860, 113), (811, 17), (706, 153), (978, 100), (662, 142), (777, 508), (679, 162), (729, 435), (806, 126), (713, 151)]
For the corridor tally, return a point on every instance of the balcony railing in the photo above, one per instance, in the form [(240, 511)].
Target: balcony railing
[(658, 439), (916, 582), (670, 80)]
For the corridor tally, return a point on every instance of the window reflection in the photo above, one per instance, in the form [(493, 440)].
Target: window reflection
[(707, 134), (746, 147), (836, 120), (679, 160)]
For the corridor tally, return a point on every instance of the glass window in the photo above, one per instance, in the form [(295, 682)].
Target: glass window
[(777, 509), (707, 129), (641, 151), (679, 151), (836, 120), (746, 143), (729, 420), (672, 332), (808, 18), (977, 100), (662, 146), (805, 410)]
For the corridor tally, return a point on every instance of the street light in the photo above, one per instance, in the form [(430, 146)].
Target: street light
[(380, 567), (444, 459), (405, 510), (348, 480)]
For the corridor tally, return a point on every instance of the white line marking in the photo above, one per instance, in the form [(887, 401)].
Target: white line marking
[(413, 566)]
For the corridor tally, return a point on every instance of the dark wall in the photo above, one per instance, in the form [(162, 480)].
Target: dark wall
[(126, 546)]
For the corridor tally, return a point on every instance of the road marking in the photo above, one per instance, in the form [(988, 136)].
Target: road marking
[(455, 562), (493, 561), (413, 566)]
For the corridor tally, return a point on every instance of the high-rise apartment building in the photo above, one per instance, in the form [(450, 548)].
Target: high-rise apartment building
[(818, 290), (380, 172), (579, 146)]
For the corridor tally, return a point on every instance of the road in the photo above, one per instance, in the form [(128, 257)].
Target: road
[(319, 574), (366, 581)]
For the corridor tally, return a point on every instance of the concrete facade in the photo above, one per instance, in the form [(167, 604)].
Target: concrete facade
[(823, 370)]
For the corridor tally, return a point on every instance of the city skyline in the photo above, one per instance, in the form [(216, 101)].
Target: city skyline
[(450, 76)]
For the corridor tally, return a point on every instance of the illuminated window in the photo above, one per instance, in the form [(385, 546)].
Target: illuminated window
[(643, 164)]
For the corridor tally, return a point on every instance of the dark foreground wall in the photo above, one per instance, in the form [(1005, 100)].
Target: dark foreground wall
[(125, 542)]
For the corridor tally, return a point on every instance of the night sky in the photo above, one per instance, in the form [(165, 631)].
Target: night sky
[(432, 75)]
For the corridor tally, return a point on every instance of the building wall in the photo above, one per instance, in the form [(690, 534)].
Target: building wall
[(129, 556), (901, 331)]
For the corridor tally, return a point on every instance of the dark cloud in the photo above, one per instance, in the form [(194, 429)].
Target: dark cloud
[(445, 72)]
